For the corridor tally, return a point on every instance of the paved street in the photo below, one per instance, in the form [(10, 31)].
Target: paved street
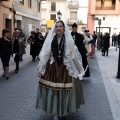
[(18, 94)]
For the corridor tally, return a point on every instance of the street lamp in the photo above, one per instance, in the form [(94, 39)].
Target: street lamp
[(118, 72), (59, 15)]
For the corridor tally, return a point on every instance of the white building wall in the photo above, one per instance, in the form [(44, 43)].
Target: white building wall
[(82, 11), (62, 5), (112, 21), (46, 10)]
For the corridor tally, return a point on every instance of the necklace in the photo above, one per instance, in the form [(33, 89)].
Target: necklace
[(59, 49)]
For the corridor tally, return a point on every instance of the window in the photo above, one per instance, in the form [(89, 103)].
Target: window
[(38, 6), (53, 17), (53, 6), (22, 1), (73, 15), (29, 3)]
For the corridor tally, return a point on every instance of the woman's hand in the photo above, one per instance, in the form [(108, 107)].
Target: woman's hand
[(38, 73)]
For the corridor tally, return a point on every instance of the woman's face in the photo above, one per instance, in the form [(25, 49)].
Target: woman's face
[(7, 34), (17, 34), (59, 28)]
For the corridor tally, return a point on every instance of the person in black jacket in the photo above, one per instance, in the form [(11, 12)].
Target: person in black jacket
[(94, 39), (118, 37), (40, 41), (33, 45), (5, 51), (78, 38), (106, 44)]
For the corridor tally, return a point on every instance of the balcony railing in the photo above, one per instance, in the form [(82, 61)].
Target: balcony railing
[(74, 20), (73, 4), (102, 7)]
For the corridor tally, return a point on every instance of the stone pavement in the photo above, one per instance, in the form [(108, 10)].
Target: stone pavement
[(109, 66), (18, 96)]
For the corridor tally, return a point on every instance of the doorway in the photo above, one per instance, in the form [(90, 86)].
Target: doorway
[(18, 24), (103, 30), (8, 25)]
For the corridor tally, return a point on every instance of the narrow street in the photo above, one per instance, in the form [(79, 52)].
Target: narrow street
[(18, 96)]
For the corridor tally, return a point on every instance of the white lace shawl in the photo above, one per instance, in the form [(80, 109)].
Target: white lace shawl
[(72, 58)]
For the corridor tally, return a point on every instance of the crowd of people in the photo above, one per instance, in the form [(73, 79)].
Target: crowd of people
[(64, 62), (16, 45)]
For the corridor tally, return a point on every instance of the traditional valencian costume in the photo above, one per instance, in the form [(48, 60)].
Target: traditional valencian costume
[(60, 90)]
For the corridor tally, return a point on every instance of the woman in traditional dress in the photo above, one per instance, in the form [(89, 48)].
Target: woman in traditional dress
[(60, 70)]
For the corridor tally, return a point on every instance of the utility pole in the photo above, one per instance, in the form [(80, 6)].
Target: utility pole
[(99, 23)]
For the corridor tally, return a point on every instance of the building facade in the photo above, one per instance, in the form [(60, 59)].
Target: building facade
[(108, 13), (77, 12), (20, 14), (49, 9), (72, 11), (6, 15), (27, 15)]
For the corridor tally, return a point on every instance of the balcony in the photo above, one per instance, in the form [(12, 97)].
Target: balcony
[(73, 4), (74, 20), (102, 7)]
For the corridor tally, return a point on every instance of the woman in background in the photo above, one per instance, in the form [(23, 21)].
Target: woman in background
[(18, 48), (5, 51), (33, 45)]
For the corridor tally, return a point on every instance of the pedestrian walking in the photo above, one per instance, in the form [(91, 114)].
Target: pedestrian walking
[(79, 42), (106, 44), (22, 35), (40, 41), (114, 39), (5, 51), (100, 41), (33, 45), (94, 39), (60, 66), (18, 48)]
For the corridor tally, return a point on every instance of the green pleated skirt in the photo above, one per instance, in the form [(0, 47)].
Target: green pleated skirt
[(60, 102)]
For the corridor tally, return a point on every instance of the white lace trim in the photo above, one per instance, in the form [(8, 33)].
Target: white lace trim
[(71, 53)]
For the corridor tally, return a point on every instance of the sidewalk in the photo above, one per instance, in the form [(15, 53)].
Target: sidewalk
[(108, 67), (26, 59)]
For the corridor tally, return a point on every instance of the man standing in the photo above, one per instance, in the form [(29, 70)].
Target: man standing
[(78, 38), (94, 39), (114, 39), (118, 38)]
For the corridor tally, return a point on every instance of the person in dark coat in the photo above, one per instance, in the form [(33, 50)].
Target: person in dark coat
[(18, 48), (106, 44), (78, 38), (5, 51), (114, 39), (101, 41), (40, 41), (24, 39), (118, 37), (33, 45), (94, 39)]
